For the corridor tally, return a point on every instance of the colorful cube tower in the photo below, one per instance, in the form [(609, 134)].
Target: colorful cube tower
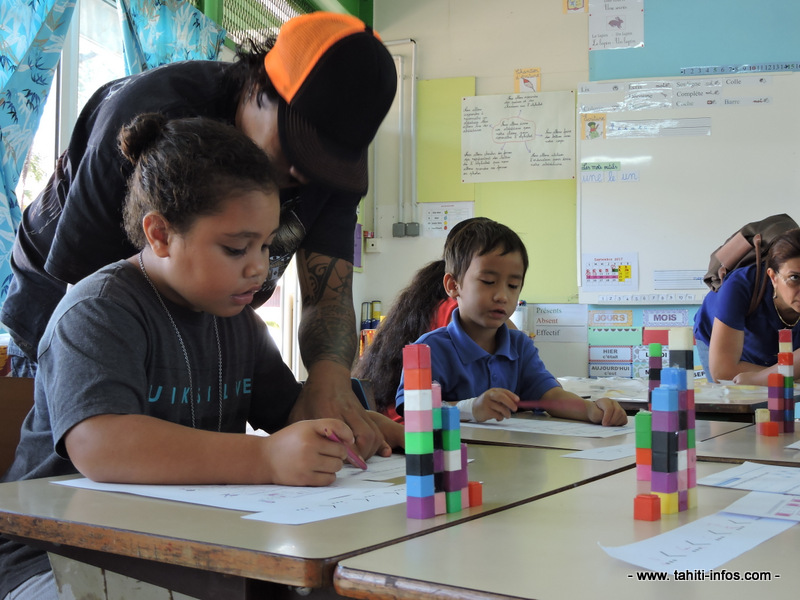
[(655, 364), (670, 427), (780, 387), (436, 459)]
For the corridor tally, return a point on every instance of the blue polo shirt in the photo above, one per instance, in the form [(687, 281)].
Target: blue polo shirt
[(465, 370)]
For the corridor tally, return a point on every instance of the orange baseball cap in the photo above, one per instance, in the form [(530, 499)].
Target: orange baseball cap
[(337, 81)]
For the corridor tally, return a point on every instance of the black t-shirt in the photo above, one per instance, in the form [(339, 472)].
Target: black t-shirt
[(75, 226), (110, 348)]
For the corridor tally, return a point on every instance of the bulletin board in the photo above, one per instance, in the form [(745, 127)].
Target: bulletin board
[(669, 168), (683, 34)]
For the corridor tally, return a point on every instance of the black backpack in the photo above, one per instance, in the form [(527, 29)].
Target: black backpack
[(748, 246)]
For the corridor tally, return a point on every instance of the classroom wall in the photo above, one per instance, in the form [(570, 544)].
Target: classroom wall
[(471, 47), (484, 42)]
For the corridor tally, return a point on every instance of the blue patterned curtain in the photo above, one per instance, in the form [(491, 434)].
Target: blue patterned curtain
[(157, 33), (32, 34)]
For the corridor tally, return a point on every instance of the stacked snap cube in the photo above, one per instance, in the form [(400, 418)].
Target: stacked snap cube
[(670, 427), (655, 364), (780, 387), (436, 459)]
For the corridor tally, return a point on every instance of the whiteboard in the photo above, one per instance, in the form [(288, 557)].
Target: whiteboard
[(669, 168)]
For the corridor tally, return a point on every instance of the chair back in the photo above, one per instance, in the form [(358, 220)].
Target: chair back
[(16, 401)]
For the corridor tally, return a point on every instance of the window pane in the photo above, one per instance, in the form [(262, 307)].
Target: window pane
[(100, 60), (100, 49)]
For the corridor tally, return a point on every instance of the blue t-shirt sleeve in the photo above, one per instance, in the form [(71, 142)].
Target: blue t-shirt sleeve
[(733, 300)]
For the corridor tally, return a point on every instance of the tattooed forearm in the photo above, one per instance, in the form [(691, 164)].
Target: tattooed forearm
[(327, 325)]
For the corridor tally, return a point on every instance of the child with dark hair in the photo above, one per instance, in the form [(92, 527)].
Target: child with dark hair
[(150, 368), (421, 307), (483, 367)]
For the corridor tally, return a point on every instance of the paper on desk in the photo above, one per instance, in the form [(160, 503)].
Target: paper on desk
[(547, 426), (346, 501), (703, 544), (756, 477), (607, 453), (795, 446), (351, 486), (764, 504)]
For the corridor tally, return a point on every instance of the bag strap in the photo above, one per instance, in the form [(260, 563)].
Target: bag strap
[(760, 285)]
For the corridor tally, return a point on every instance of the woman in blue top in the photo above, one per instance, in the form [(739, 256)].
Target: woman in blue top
[(734, 345)]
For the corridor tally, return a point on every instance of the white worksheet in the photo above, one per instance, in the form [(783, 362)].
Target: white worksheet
[(546, 426), (346, 501), (756, 477), (764, 504), (703, 544), (607, 453), (354, 490)]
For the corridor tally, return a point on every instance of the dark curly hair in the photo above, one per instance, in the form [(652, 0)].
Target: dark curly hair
[(249, 73), (185, 168), (407, 319)]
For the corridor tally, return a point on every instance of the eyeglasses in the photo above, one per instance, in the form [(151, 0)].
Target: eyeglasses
[(792, 281)]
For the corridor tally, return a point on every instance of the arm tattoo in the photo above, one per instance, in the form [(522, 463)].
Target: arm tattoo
[(327, 325)]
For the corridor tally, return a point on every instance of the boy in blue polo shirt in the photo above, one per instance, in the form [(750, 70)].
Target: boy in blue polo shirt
[(483, 367)]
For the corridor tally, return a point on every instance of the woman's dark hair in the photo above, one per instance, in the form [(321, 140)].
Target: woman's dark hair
[(784, 248), (186, 168), (408, 318)]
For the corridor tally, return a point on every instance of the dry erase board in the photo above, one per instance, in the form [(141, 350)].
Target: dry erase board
[(669, 168)]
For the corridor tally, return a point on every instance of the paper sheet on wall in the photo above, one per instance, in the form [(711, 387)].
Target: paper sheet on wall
[(438, 218), (616, 24), (518, 137)]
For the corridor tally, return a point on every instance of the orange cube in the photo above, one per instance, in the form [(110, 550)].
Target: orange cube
[(647, 507)]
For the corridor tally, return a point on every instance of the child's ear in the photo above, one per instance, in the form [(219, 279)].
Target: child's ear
[(156, 229), (450, 285)]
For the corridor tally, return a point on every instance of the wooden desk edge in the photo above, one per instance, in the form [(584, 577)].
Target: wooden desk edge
[(52, 535), (359, 584)]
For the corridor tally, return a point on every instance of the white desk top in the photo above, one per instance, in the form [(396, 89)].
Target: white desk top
[(219, 540), (548, 549), (746, 444)]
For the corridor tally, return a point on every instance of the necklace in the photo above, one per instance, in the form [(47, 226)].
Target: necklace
[(183, 348), (788, 325)]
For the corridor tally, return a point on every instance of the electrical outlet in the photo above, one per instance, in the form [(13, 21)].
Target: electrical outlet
[(371, 245), (398, 229), (412, 229)]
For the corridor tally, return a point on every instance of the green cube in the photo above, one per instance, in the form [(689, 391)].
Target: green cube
[(643, 422), (453, 501), (419, 442), (451, 439)]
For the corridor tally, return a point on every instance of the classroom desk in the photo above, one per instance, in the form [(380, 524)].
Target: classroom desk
[(548, 549), (746, 444), (704, 430), (712, 401), (213, 553)]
